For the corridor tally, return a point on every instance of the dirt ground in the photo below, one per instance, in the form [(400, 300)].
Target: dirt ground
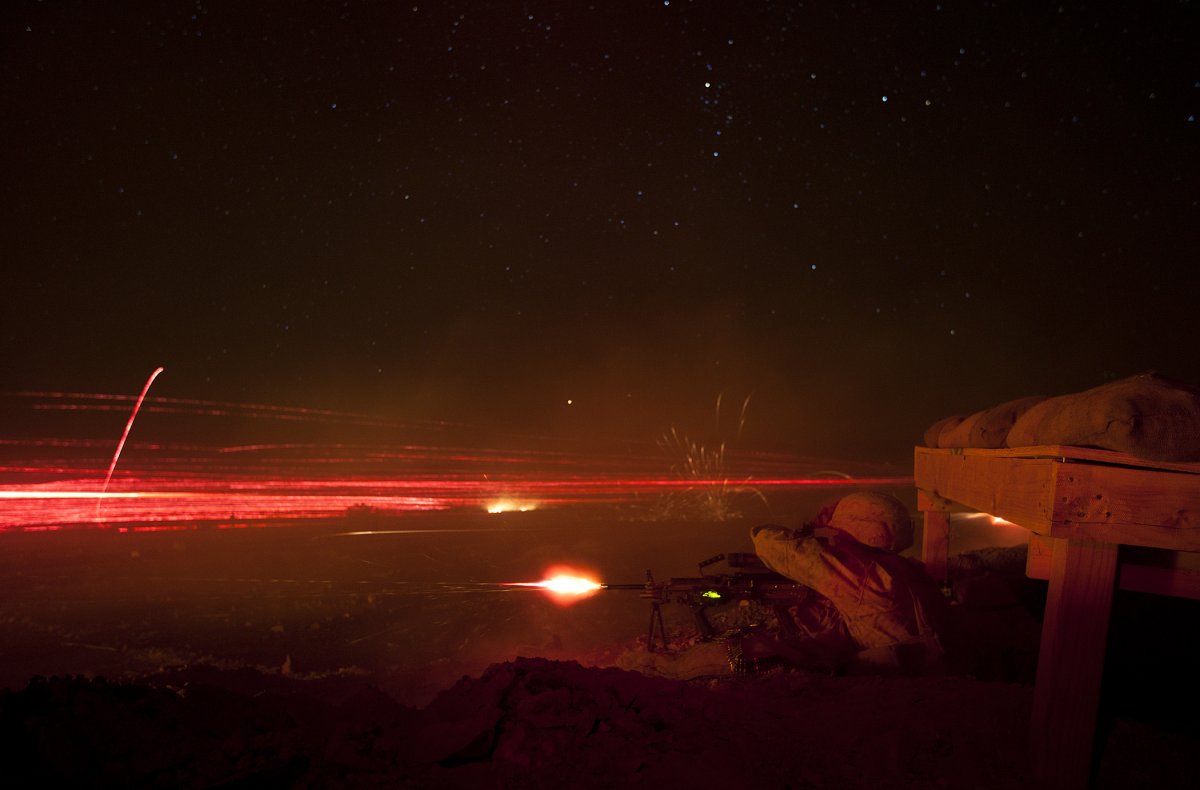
[(273, 658)]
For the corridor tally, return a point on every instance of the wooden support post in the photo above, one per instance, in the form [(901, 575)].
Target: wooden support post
[(1070, 662), (935, 537), (935, 543)]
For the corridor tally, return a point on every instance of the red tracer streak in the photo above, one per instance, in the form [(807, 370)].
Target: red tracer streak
[(128, 427)]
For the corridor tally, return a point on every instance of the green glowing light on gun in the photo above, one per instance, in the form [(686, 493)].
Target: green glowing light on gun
[(710, 594)]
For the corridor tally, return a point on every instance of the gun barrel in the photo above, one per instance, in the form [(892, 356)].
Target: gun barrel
[(637, 586)]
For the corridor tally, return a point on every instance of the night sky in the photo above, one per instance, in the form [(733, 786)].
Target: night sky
[(573, 219)]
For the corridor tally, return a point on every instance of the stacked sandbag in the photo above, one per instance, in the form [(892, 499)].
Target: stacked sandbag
[(934, 432), (984, 429), (1148, 415)]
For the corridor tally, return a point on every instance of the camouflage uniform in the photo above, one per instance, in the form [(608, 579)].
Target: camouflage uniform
[(887, 605)]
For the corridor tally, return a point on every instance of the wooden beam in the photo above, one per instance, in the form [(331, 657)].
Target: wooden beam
[(935, 544), (1020, 490), (1132, 576), (927, 500), (1138, 507), (1159, 508), (1039, 557), (1071, 661), (1064, 452)]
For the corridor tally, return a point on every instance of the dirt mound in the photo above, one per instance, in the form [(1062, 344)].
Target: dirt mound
[(531, 723), (540, 723)]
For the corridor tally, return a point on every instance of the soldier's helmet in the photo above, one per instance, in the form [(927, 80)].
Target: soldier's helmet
[(875, 519)]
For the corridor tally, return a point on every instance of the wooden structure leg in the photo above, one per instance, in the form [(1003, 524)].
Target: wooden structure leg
[(1065, 702), (935, 543)]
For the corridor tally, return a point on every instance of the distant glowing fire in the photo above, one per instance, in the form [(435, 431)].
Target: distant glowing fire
[(511, 505)]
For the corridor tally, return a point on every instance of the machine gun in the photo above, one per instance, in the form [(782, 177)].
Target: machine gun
[(748, 579)]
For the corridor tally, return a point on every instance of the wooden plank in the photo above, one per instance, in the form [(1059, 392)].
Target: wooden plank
[(928, 501), (1132, 506), (1181, 582), (1019, 490), (935, 544), (1039, 556), (1071, 661), (1070, 453), (1071, 500)]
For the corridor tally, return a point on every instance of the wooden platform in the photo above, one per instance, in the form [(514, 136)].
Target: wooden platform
[(1082, 505)]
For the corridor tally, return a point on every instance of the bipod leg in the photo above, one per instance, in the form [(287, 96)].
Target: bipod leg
[(656, 617)]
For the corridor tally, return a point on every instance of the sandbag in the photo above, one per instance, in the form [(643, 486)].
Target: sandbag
[(990, 428), (987, 428), (934, 431), (960, 434), (1148, 416)]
